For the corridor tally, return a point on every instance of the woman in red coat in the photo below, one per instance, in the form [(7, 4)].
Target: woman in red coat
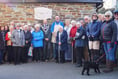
[(72, 38), (9, 44)]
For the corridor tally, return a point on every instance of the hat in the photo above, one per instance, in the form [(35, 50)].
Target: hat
[(115, 11)]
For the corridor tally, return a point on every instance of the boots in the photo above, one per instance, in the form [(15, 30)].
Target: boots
[(96, 56), (91, 55), (109, 65)]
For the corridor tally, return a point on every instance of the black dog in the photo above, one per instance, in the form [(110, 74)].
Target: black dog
[(88, 65)]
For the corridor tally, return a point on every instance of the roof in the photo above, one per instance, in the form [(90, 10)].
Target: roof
[(52, 1)]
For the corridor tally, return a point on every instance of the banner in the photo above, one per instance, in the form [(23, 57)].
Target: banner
[(41, 13)]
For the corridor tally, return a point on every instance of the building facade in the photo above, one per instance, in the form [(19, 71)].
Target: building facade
[(23, 10)]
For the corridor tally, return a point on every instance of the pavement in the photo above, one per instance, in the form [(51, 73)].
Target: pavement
[(50, 70)]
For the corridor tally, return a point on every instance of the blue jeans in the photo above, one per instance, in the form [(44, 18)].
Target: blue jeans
[(68, 53), (1, 56), (109, 51)]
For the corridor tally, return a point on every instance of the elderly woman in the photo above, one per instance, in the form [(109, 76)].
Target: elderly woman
[(80, 43), (93, 33), (9, 44), (72, 36), (37, 43), (67, 28), (61, 40), (28, 38), (109, 36), (18, 40)]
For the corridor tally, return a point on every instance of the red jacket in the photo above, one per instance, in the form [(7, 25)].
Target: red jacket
[(8, 40), (73, 33), (6, 37)]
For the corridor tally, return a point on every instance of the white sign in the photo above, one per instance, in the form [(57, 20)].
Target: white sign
[(42, 13)]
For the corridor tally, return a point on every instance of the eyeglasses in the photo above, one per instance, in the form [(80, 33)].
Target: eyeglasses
[(107, 16), (116, 13)]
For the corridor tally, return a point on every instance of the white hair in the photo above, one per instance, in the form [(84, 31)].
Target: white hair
[(29, 24), (37, 25), (18, 24), (87, 17), (11, 26), (25, 26), (73, 21), (61, 27), (78, 23), (109, 13)]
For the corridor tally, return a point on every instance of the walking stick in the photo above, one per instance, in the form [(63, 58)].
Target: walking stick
[(72, 53), (59, 47)]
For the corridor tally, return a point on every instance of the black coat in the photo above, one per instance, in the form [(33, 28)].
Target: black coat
[(2, 45), (64, 38), (47, 34), (28, 37), (109, 31)]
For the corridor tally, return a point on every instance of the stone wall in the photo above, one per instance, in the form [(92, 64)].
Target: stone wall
[(25, 12)]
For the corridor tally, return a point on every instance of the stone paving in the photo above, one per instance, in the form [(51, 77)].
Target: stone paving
[(50, 70)]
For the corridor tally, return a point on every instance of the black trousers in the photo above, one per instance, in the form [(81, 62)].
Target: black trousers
[(62, 56), (37, 53), (24, 54), (17, 54), (10, 55), (79, 54), (46, 50)]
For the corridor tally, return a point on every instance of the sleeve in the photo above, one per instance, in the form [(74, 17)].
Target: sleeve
[(64, 39), (62, 24), (80, 35), (114, 30), (87, 30), (23, 38), (40, 37), (13, 37), (57, 38), (49, 36), (6, 37), (30, 38), (70, 32), (52, 27), (95, 34)]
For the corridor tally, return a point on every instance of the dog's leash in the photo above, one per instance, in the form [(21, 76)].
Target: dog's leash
[(100, 58)]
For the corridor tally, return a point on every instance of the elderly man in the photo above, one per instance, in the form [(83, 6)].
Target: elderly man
[(18, 40), (47, 37), (54, 28), (28, 38)]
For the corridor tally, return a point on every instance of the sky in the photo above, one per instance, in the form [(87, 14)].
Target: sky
[(109, 4)]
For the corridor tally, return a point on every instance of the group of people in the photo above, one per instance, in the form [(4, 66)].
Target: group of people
[(62, 41)]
